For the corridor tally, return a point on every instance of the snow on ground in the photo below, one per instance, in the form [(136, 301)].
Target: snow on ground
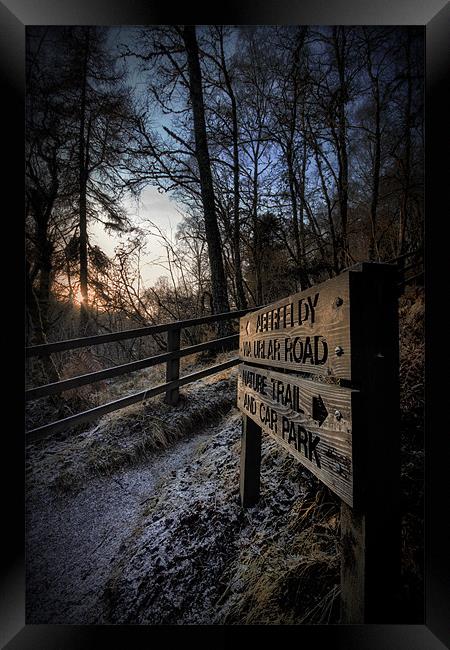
[(151, 542)]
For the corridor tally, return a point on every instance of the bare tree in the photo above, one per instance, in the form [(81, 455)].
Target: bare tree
[(218, 280), (225, 130)]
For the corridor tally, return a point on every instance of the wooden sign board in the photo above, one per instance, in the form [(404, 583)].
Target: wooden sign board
[(310, 419), (306, 332), (298, 358)]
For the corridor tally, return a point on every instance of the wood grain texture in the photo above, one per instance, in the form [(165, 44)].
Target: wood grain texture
[(283, 405), (371, 531), (302, 331), (250, 463)]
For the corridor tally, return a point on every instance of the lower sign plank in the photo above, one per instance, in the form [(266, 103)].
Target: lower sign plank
[(310, 419)]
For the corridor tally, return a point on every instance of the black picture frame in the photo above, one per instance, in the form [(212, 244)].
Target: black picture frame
[(15, 15)]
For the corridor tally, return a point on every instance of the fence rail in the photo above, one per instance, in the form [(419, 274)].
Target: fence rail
[(171, 358), (416, 266), (98, 411), (108, 373), (98, 339)]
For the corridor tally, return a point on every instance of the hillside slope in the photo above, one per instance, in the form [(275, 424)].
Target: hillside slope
[(166, 541), (138, 520)]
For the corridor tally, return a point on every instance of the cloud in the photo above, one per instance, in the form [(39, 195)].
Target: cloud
[(152, 206)]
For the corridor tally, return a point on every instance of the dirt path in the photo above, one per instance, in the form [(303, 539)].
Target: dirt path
[(164, 541), (73, 541)]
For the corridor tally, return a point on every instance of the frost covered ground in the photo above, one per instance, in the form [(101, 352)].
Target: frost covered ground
[(137, 520), (161, 538)]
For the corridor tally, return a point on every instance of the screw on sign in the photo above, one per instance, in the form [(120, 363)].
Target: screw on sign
[(300, 332), (320, 408)]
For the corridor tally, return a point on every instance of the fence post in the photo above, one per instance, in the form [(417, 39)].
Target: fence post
[(250, 462), (370, 532), (173, 366)]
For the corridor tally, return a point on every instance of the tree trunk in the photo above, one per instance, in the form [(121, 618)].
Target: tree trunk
[(218, 280), (38, 335), (240, 293), (373, 248), (339, 35), (257, 248), (297, 223), (42, 211), (333, 238), (45, 281), (303, 190), (83, 178), (407, 157), (374, 78)]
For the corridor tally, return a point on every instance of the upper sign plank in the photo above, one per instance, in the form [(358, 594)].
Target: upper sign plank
[(307, 332)]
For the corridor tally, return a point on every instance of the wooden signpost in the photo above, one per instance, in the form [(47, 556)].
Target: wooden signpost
[(319, 374)]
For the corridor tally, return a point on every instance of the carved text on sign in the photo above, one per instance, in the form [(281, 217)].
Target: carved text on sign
[(307, 332), (301, 415)]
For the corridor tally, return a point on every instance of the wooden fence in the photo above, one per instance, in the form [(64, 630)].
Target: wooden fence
[(171, 358), (346, 433)]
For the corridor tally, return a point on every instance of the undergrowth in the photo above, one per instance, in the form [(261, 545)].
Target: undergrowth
[(294, 578), (125, 438)]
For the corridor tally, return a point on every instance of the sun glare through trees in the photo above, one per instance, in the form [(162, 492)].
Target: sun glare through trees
[(175, 173)]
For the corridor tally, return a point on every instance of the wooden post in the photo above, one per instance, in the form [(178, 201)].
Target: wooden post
[(250, 462), (370, 532), (173, 366)]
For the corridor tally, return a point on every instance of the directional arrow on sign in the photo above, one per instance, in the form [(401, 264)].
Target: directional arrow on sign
[(319, 410)]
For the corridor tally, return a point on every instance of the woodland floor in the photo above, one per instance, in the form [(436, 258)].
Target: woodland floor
[(151, 543), (138, 520)]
